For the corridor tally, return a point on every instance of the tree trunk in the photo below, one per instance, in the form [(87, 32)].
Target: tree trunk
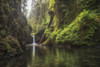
[(51, 19)]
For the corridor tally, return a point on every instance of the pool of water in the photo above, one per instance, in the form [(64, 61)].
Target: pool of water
[(35, 56)]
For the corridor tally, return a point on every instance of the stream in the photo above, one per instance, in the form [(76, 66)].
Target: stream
[(35, 56)]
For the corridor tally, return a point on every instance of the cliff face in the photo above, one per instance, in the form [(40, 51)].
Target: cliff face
[(14, 29), (75, 22)]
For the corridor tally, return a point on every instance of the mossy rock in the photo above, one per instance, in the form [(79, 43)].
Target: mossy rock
[(10, 44), (13, 43), (3, 33), (82, 31)]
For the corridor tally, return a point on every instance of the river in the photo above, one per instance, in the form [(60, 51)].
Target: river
[(35, 56)]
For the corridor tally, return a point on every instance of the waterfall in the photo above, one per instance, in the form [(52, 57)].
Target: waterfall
[(33, 39)]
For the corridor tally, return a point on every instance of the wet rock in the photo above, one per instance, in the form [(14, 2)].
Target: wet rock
[(14, 29)]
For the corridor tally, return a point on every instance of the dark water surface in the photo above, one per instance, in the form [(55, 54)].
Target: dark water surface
[(56, 57)]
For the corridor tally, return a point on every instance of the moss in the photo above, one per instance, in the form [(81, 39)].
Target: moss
[(13, 43), (9, 49), (13, 28), (51, 4), (46, 42), (70, 30), (3, 33), (81, 31)]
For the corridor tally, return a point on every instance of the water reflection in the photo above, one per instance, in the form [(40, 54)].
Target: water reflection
[(33, 50), (56, 57)]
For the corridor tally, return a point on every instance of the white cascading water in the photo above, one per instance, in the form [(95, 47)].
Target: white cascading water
[(33, 39)]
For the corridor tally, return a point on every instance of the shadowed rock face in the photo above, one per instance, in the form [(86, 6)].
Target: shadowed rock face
[(14, 30)]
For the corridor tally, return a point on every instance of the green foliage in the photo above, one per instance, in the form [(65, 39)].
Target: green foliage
[(90, 4), (80, 31), (67, 33), (45, 22), (9, 49), (67, 18), (74, 21), (48, 32), (3, 33), (39, 17), (32, 34), (51, 4), (54, 35)]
